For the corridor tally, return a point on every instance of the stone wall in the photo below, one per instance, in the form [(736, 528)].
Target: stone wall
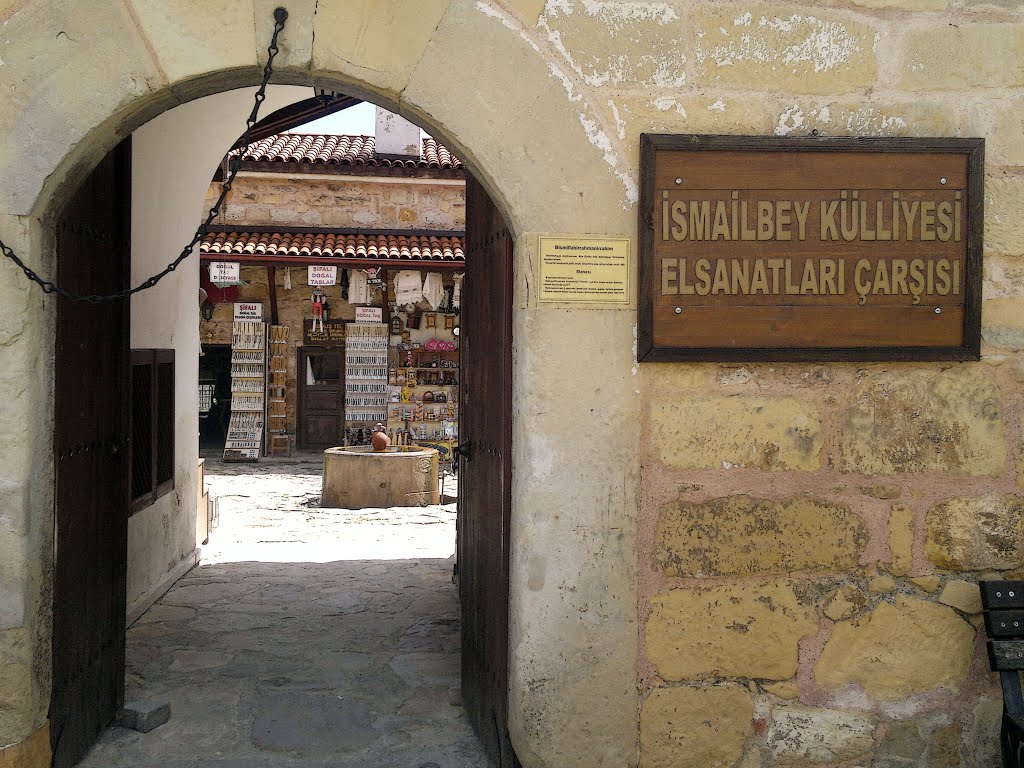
[(333, 201), (811, 540), (811, 535), (281, 199), (293, 307)]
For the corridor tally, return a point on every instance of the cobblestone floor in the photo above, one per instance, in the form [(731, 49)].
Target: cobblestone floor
[(307, 637)]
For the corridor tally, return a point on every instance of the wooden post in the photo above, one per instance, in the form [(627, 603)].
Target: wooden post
[(272, 285)]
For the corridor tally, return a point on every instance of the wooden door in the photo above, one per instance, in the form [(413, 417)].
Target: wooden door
[(91, 451), (321, 376), (485, 501)]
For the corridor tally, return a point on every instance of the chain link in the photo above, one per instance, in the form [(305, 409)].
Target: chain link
[(280, 16)]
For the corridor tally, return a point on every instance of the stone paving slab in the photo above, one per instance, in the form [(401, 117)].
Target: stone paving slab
[(307, 637)]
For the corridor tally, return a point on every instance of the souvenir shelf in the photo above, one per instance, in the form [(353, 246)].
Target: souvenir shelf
[(279, 442), (423, 396), (248, 391), (366, 380)]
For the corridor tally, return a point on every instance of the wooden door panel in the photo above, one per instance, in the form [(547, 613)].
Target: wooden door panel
[(321, 414), (484, 509), (91, 450)]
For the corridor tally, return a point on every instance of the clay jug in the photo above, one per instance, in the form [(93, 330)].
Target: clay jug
[(379, 439)]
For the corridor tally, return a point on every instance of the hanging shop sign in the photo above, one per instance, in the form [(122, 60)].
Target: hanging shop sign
[(248, 311), (583, 270), (225, 272), (318, 274), (369, 315), (810, 249)]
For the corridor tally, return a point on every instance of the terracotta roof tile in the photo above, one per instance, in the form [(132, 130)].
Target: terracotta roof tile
[(395, 247), (343, 150)]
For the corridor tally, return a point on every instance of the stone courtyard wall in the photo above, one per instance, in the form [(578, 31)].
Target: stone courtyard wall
[(315, 200), (328, 201), (742, 565)]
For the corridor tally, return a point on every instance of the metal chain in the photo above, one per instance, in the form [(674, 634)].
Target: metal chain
[(280, 16)]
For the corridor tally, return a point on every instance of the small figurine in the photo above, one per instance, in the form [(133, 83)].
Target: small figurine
[(319, 300)]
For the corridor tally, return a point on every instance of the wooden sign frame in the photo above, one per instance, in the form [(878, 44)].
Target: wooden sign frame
[(656, 329)]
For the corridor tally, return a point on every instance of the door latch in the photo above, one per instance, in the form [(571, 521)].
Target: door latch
[(464, 449)]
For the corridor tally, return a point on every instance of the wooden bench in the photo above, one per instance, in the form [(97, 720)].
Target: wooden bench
[(1004, 622)]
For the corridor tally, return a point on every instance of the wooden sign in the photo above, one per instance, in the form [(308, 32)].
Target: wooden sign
[(333, 334), (810, 249)]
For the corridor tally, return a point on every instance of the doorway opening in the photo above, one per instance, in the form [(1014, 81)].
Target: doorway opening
[(89, 684)]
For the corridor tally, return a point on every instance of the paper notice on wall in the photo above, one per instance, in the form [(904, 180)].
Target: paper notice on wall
[(248, 311), (582, 269), (319, 274), (225, 273), (369, 315)]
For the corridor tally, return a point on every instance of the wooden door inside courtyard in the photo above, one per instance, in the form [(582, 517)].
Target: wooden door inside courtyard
[(321, 397)]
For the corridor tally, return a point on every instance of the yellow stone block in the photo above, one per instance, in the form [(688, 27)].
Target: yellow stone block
[(528, 11), (193, 37), (702, 727), (901, 539), (1004, 215), (960, 56), (778, 434), (742, 535), (847, 601), (881, 585), (776, 49), (381, 42), (33, 752), (924, 421), (67, 69), (1003, 146), (898, 650), (671, 377), (865, 119), (729, 630), (788, 689), (927, 583), (971, 534), (965, 596), (612, 44), (632, 114), (1002, 322), (904, 5)]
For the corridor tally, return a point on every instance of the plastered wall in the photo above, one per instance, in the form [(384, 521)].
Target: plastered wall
[(620, 625), (173, 158)]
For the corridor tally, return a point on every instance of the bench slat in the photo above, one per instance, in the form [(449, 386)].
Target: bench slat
[(1002, 594), (1006, 654), (1004, 623)]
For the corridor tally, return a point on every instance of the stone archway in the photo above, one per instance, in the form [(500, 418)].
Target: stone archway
[(477, 81)]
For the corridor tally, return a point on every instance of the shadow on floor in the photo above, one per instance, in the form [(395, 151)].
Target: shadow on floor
[(353, 664)]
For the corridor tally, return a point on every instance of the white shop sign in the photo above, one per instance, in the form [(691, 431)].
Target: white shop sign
[(225, 272), (369, 315), (319, 274), (248, 311)]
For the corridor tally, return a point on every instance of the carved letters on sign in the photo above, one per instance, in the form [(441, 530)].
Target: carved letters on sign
[(810, 248)]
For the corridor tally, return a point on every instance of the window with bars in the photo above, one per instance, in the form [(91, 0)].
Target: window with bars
[(152, 469)]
